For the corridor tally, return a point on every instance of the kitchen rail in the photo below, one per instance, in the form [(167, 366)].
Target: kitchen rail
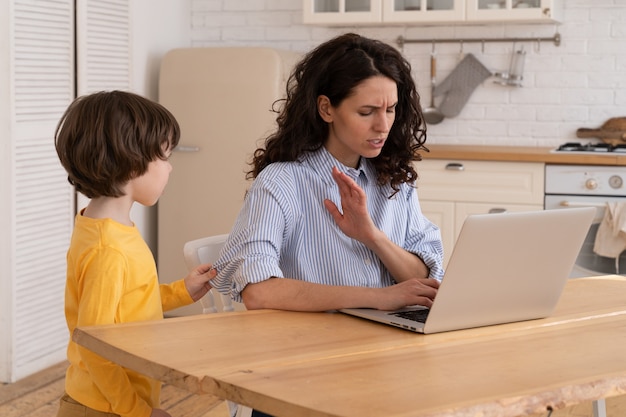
[(556, 39)]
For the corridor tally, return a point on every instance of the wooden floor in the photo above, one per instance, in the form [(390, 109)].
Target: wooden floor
[(38, 396)]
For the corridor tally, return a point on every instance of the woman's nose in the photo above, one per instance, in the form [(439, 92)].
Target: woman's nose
[(383, 123)]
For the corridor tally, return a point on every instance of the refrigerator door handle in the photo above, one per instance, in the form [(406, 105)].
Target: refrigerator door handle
[(182, 148)]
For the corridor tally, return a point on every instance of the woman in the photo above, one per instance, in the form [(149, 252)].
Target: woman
[(332, 219)]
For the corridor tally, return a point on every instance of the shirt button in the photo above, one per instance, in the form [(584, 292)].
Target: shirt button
[(368, 261)]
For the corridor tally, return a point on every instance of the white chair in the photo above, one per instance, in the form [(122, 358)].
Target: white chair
[(207, 250)]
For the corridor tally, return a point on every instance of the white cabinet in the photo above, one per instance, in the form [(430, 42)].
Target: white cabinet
[(449, 191), (348, 12), (341, 12), (442, 214), (422, 11), (370, 12), (513, 10)]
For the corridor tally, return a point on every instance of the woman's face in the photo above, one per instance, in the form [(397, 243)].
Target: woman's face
[(359, 125)]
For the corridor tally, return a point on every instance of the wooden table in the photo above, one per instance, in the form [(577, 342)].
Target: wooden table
[(331, 364)]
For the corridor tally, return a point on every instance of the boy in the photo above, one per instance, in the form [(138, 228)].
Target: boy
[(115, 148)]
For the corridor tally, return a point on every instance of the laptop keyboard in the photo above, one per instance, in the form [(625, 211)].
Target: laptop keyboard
[(415, 315)]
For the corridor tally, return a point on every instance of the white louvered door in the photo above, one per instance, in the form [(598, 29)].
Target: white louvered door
[(37, 210), (38, 80), (103, 49), (104, 45)]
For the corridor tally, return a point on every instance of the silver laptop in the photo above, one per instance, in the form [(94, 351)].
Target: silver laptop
[(504, 268)]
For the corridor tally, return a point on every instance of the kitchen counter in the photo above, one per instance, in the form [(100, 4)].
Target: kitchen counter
[(518, 154)]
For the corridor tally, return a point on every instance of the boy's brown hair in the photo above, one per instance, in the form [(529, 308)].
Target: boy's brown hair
[(105, 139)]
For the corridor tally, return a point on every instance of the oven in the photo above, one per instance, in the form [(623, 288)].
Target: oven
[(587, 185)]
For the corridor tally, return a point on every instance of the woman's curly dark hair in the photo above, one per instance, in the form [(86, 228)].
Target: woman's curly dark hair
[(334, 69)]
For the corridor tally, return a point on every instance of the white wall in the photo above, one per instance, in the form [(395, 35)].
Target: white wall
[(578, 84), (158, 26)]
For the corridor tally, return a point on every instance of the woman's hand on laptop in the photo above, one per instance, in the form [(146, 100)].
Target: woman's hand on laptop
[(416, 291)]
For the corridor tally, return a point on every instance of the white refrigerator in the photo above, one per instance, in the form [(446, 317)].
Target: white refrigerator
[(222, 98)]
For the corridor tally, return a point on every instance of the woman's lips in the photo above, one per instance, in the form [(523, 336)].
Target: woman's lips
[(376, 143)]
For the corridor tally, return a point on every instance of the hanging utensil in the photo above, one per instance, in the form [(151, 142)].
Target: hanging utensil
[(516, 69), (432, 115), (459, 85)]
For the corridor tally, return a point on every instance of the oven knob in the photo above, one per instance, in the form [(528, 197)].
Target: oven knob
[(591, 184), (616, 181)]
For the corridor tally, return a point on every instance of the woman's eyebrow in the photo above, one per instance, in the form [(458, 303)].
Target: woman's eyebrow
[(371, 106)]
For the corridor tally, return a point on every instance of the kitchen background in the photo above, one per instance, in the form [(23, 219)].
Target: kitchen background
[(580, 83)]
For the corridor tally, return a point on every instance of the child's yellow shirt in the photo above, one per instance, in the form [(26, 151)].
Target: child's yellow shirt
[(112, 278)]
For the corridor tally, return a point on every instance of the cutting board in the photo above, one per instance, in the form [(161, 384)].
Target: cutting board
[(613, 131)]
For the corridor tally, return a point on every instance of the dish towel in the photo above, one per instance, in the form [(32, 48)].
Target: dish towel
[(611, 237), (460, 84)]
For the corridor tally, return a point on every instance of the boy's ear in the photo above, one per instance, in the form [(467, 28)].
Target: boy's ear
[(324, 108)]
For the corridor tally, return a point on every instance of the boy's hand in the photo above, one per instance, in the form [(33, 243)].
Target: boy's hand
[(197, 282)]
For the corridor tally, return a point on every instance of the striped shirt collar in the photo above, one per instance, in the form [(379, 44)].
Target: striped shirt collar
[(323, 162)]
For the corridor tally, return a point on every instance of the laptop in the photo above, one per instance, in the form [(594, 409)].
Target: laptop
[(504, 268)]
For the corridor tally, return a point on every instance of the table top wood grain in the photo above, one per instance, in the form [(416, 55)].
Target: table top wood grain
[(331, 364)]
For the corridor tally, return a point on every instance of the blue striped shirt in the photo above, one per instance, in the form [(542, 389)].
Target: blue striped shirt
[(284, 230)]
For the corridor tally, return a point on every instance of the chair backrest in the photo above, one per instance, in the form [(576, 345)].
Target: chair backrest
[(207, 250)]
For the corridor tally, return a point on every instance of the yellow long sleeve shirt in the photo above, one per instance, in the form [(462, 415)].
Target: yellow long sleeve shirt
[(112, 278)]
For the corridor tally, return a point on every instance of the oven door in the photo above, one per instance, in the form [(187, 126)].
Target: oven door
[(588, 262)]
